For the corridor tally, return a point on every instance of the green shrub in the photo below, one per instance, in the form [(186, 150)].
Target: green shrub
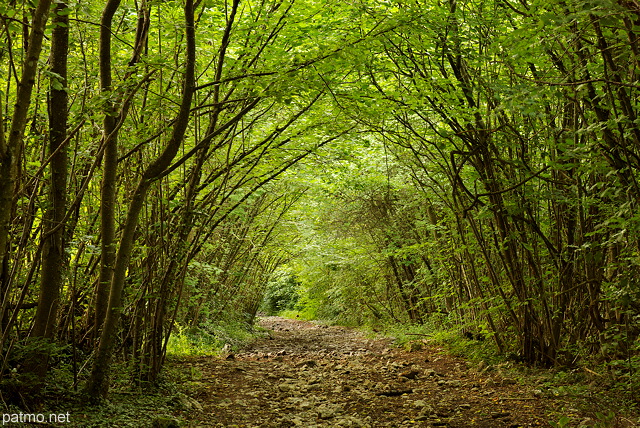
[(282, 294), (209, 338)]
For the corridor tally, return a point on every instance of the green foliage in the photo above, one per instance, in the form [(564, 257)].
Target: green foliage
[(184, 343), (281, 294), (210, 338), (307, 308), (124, 409), (561, 423), (600, 420), (446, 167), (440, 331)]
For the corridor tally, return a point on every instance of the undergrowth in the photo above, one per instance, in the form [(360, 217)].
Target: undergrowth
[(211, 338), (588, 394), (131, 404), (128, 404)]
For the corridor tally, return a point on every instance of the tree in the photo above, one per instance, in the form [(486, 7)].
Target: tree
[(53, 246), (98, 382), (11, 146)]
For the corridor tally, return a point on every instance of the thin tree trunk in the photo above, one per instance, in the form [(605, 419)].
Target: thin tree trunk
[(108, 188), (53, 248), (10, 149), (97, 385), (53, 227), (112, 121)]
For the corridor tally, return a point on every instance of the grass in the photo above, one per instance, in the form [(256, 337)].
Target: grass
[(211, 339)]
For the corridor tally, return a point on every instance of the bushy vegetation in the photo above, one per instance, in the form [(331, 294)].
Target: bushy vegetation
[(281, 294), (211, 339), (459, 166)]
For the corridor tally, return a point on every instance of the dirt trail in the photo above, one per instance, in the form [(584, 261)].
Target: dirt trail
[(310, 375)]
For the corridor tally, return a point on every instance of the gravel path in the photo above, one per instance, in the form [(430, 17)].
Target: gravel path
[(311, 375)]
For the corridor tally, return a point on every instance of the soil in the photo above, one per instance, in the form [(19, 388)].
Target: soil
[(313, 375)]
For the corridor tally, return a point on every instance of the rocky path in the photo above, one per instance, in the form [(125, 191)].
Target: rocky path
[(310, 375)]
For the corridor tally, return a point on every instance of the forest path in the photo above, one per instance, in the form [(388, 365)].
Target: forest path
[(311, 375)]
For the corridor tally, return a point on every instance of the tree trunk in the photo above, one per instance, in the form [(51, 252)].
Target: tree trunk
[(108, 188), (97, 385), (53, 258), (115, 112), (10, 149), (53, 248)]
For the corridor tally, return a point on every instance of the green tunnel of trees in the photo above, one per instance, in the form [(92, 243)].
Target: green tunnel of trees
[(161, 162)]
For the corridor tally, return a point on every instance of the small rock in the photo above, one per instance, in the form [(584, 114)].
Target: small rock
[(350, 421), (305, 405), (326, 412), (427, 410), (419, 403), (410, 374), (285, 387)]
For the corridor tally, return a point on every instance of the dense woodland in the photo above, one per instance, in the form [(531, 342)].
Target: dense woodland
[(462, 164)]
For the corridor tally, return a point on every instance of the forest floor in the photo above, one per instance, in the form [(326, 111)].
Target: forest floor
[(312, 375)]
